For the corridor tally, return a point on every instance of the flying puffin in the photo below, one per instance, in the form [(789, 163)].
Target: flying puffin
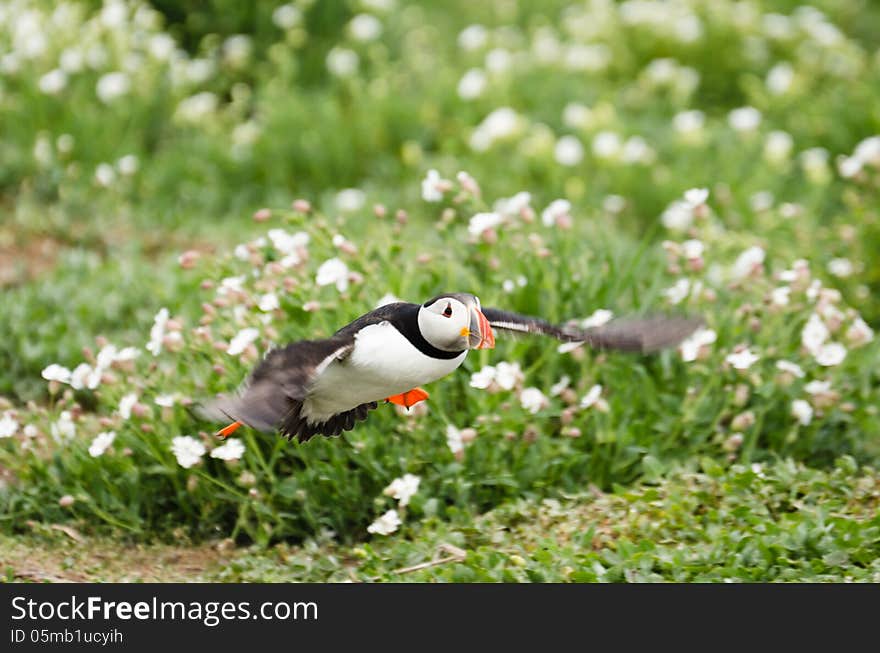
[(323, 387)]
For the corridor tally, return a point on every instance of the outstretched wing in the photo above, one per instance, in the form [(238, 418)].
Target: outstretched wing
[(278, 384), (273, 394), (638, 334)]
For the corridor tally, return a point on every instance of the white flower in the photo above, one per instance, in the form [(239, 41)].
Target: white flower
[(187, 450), (161, 47), (453, 439), (696, 196), (473, 37), (241, 340), (692, 249), (53, 82), (128, 164), (71, 60), (196, 108), (433, 186), (780, 296), (606, 145), (269, 302), (779, 78), (498, 60), (576, 115), (498, 125), (743, 359), (679, 292), (778, 146), (513, 206), (365, 27), (830, 354), (484, 378), (747, 262), (288, 243), (349, 200), (199, 71), (101, 443), (113, 15), (105, 175), (849, 167), (814, 161), (386, 524), (814, 334), (840, 267), (112, 86), (8, 426), (691, 346), (507, 375), (689, 122), (557, 388), (287, 16), (472, 84), (678, 216), (126, 404), (63, 429), (813, 291), (636, 150), (85, 376), (744, 119), (533, 400), (792, 368), (599, 317), (859, 333), (56, 372), (555, 211), (568, 151), (106, 356), (166, 401), (403, 488), (333, 271), (593, 397), (157, 332), (802, 411), (614, 203), (591, 57), (868, 151), (818, 387), (232, 449), (342, 62), (482, 222)]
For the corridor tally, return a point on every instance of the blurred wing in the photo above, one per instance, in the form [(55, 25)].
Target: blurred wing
[(641, 334), (644, 334), (278, 384), (509, 321)]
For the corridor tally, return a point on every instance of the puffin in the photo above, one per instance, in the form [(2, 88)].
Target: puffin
[(324, 387)]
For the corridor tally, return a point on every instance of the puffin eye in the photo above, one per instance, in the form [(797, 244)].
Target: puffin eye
[(448, 311)]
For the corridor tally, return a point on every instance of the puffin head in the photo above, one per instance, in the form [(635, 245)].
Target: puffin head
[(454, 322)]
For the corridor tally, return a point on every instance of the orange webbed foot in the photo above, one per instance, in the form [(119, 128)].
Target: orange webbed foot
[(410, 398), (226, 431)]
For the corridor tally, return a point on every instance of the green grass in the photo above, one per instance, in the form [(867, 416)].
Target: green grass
[(781, 522), (90, 255)]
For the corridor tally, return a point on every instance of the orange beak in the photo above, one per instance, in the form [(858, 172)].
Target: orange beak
[(480, 331)]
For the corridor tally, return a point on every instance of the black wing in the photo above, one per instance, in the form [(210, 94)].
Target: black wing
[(638, 334), (272, 396), (278, 384)]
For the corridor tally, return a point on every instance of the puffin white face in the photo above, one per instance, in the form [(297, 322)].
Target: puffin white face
[(454, 323)]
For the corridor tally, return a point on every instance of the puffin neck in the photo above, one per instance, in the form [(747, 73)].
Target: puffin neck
[(406, 321)]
